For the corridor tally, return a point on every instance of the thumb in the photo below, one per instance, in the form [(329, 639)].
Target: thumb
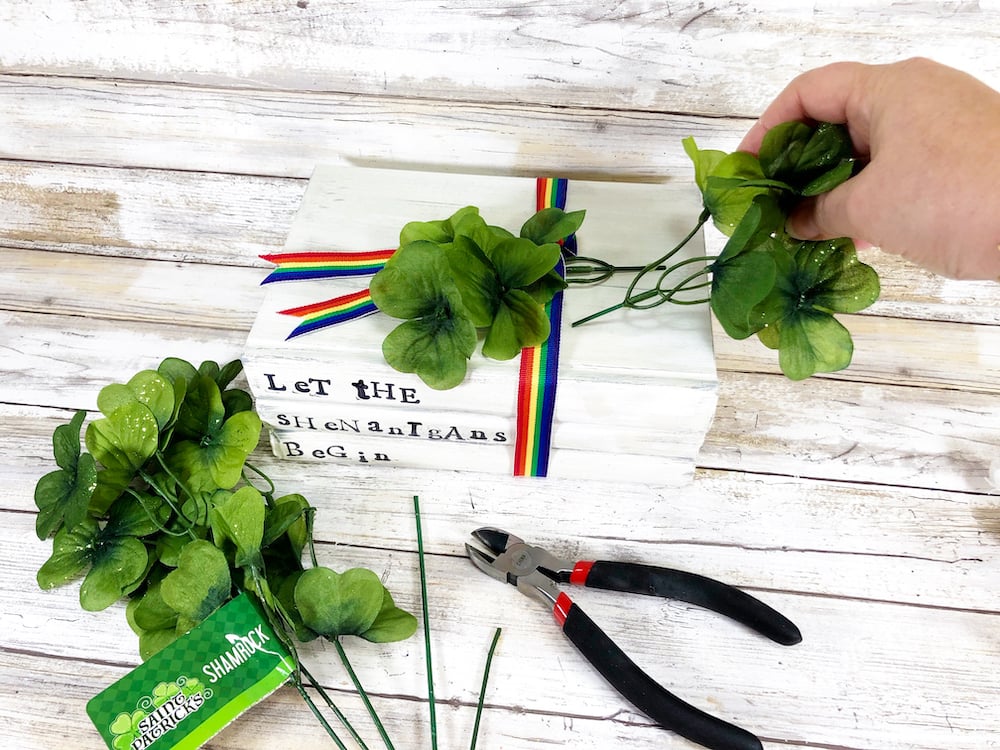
[(826, 216)]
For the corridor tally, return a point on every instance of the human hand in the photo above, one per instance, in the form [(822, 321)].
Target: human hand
[(931, 136)]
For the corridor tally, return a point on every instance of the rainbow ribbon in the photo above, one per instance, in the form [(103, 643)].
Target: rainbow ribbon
[(325, 265), (536, 392), (328, 265)]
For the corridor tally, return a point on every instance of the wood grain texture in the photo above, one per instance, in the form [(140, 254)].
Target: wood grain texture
[(717, 58), (789, 684), (151, 151)]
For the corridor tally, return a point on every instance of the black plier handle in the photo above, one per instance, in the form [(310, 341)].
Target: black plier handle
[(687, 587), (534, 571), (641, 690)]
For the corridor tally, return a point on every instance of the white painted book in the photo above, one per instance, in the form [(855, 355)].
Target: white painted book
[(636, 388)]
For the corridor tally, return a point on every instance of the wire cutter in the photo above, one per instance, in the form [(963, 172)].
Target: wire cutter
[(535, 572)]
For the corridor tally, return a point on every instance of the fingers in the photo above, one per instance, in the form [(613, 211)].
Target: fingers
[(827, 216), (833, 93)]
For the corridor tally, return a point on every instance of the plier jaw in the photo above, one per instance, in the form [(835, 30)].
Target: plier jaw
[(531, 569), (535, 572)]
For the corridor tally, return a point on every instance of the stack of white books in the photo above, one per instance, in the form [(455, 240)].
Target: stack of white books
[(636, 388)]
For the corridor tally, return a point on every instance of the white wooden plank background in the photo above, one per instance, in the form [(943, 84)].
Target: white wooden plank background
[(150, 151)]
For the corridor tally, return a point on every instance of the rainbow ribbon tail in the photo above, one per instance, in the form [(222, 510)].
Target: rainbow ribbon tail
[(319, 315), (325, 265), (328, 265)]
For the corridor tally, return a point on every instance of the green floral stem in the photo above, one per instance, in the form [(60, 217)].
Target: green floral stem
[(482, 689), (310, 516), (170, 501), (297, 681), (630, 299), (281, 623), (598, 314), (163, 529), (658, 290), (175, 478), (669, 293), (269, 492), (431, 705), (636, 301), (363, 693), (333, 707)]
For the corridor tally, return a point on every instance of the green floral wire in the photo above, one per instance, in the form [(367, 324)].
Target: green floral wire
[(282, 623), (664, 295), (363, 693), (269, 492), (184, 489), (668, 294), (482, 689), (427, 626), (333, 707), (297, 681), (156, 522)]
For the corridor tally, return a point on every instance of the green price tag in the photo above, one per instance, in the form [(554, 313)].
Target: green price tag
[(190, 690)]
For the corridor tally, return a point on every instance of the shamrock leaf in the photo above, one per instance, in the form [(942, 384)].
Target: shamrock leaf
[(742, 276), (543, 290), (125, 439), (438, 337), (520, 322), (239, 517), (838, 281), (118, 568), (138, 515), (814, 280), (150, 612), (520, 262), (119, 558), (811, 342), (228, 373), (415, 282), (288, 516), (728, 183), (235, 400), (174, 369), (170, 546), (202, 412), (812, 159), (72, 550), (440, 232), (148, 388), (285, 594), (201, 582), (117, 561), (335, 604), (391, 623), (476, 279), (731, 188), (217, 459), (110, 485), (551, 225), (435, 348), (153, 621), (705, 161), (64, 495)]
